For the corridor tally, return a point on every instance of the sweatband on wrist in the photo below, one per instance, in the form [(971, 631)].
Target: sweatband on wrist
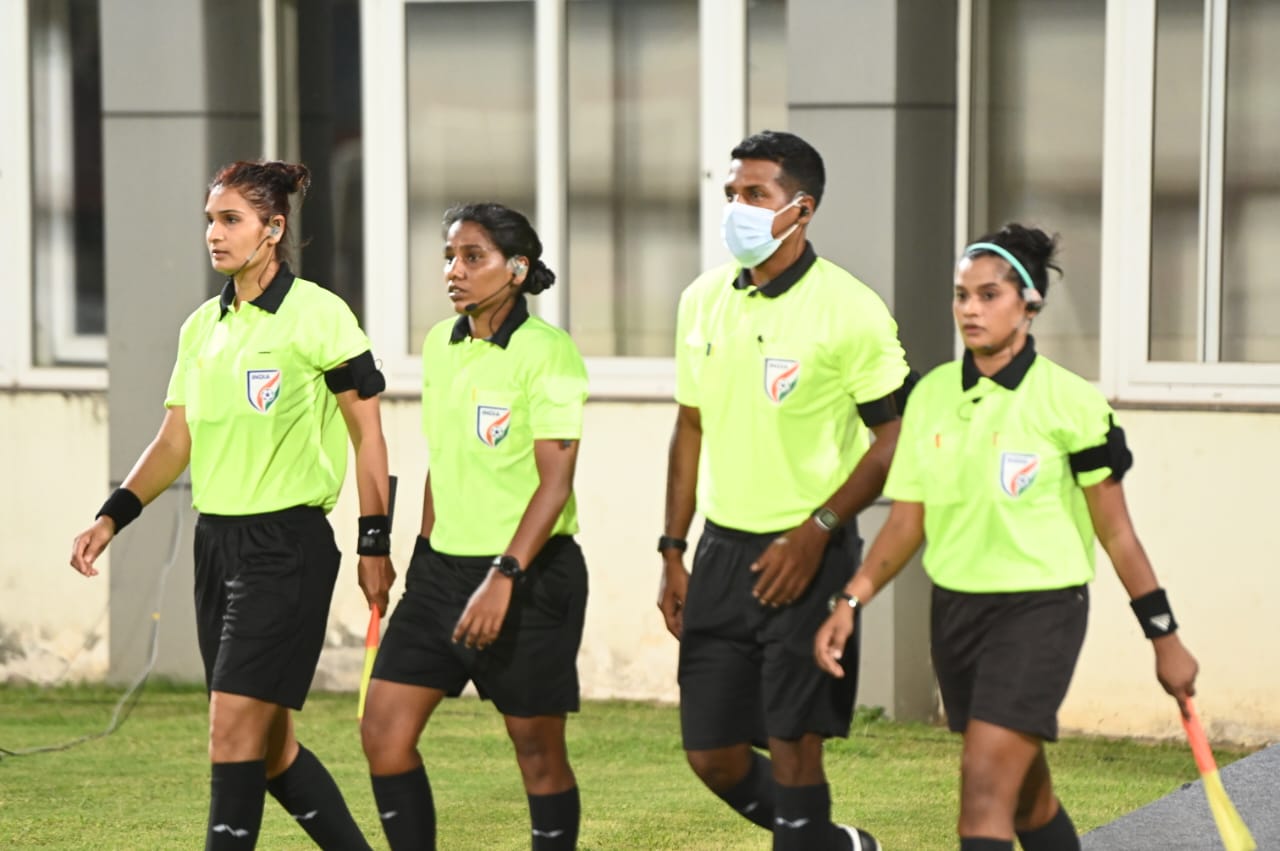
[(123, 507), (1154, 614), (375, 535)]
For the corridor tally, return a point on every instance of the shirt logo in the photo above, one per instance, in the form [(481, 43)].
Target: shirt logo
[(492, 424), (780, 378), (263, 388), (1018, 471)]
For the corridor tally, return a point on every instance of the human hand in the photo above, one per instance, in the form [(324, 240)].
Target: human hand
[(1176, 669), (377, 575), (482, 619), (830, 641), (788, 565), (672, 590), (90, 543)]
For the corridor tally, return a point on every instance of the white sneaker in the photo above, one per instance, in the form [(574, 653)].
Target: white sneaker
[(860, 840)]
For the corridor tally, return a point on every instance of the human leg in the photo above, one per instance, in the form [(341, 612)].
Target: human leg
[(554, 806), (395, 715), (303, 786), (1040, 821)]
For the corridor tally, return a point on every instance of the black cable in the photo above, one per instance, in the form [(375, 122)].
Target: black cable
[(124, 706)]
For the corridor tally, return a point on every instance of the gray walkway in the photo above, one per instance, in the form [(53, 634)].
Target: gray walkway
[(1181, 821)]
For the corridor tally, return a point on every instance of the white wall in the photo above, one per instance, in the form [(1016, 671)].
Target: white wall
[(1200, 494)]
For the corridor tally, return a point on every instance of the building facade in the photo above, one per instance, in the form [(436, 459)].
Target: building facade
[(1145, 132)]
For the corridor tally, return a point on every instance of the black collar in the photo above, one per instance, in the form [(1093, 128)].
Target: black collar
[(269, 299), (502, 337), (1009, 376), (785, 281)]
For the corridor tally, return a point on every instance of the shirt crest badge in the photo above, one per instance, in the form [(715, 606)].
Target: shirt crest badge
[(1018, 472), (263, 388), (492, 424), (780, 378)]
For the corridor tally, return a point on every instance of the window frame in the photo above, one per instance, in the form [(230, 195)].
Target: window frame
[(722, 122), (1127, 374), (18, 369)]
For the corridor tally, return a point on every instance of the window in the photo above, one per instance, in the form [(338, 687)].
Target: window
[(68, 288), (633, 172), (471, 130), (1036, 151)]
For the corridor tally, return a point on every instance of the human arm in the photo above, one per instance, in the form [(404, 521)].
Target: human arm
[(897, 542), (482, 619), (682, 486), (364, 424), (157, 467), (788, 565), (1176, 668)]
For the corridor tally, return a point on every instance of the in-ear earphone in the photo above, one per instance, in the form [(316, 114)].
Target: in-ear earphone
[(275, 230), (518, 267)]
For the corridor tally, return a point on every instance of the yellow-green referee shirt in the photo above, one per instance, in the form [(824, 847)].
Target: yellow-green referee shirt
[(991, 460), (484, 403), (777, 374), (266, 432)]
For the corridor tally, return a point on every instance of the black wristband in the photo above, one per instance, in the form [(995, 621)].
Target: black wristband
[(1154, 614), (375, 536), (666, 542), (123, 507)]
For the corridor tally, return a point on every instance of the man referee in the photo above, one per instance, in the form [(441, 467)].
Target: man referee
[(784, 360)]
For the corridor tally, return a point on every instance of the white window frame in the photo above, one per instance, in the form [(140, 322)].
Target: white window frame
[(1128, 134), (17, 368), (722, 122), (1126, 245)]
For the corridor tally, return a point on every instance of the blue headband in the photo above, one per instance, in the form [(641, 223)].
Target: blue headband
[(1029, 292)]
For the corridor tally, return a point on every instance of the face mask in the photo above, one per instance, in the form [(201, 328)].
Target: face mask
[(748, 232)]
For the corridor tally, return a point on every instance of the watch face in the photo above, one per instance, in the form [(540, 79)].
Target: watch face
[(826, 518)]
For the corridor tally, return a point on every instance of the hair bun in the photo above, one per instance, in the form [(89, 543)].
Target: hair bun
[(539, 278)]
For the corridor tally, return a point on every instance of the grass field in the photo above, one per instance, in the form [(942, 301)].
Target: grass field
[(146, 786)]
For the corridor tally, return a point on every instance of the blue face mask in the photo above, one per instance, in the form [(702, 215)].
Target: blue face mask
[(748, 232)]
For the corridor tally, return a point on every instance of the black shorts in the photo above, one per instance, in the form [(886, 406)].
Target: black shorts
[(530, 670), (746, 670), (1007, 659), (263, 583)]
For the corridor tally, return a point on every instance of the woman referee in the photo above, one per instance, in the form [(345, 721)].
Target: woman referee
[(497, 587), (1009, 465), (271, 377)]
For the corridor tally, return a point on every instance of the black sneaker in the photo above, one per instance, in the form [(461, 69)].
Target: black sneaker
[(860, 840)]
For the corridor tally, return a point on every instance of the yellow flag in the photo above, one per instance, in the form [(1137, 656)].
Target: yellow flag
[(370, 653), (1235, 834)]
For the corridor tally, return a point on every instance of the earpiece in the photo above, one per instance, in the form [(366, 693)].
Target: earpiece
[(275, 230), (518, 267), (804, 211)]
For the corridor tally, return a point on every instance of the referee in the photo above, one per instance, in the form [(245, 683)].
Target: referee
[(1009, 466), (497, 588), (783, 360), (271, 377)]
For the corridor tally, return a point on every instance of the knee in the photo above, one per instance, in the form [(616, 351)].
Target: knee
[(236, 742), (387, 748), (983, 788), (719, 770)]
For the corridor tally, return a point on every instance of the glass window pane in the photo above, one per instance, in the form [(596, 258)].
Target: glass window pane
[(1251, 190), (1037, 148), (766, 65), (471, 135), (633, 171), (66, 161), (1175, 182)]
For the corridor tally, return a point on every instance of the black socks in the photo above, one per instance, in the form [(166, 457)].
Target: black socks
[(753, 797), (236, 792), (307, 792), (1058, 834), (406, 809), (554, 819)]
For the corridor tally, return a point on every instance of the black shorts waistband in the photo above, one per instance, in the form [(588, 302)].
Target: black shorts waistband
[(297, 512), (765, 537), (485, 562)]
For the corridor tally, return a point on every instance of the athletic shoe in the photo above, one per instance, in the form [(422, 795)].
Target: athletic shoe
[(860, 840)]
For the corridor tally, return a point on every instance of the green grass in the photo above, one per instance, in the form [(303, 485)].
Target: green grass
[(146, 786)]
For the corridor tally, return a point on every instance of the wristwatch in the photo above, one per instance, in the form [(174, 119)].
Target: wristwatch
[(827, 520), (508, 566), (840, 598)]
